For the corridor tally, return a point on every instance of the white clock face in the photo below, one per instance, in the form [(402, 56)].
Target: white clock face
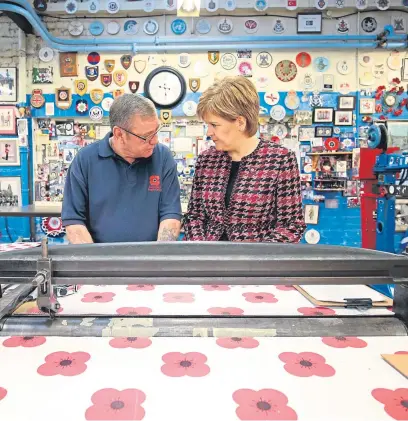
[(165, 88)]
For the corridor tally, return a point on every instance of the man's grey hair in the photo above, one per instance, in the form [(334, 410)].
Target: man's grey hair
[(126, 106)]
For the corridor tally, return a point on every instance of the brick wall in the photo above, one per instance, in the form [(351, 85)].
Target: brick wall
[(9, 52)]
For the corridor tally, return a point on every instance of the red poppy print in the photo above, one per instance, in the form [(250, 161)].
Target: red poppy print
[(141, 287), (134, 311), (265, 404), (316, 311), (260, 297), (24, 341), (192, 364), (344, 342), (112, 404), (306, 364), (225, 311), (235, 342), (3, 393), (130, 342), (98, 297), (215, 287), (395, 402), (64, 363), (285, 288), (178, 297)]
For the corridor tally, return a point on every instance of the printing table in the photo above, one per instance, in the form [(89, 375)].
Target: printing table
[(170, 352)]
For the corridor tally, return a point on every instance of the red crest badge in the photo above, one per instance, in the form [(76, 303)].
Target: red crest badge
[(106, 79)]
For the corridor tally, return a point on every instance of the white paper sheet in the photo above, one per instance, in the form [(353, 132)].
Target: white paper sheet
[(182, 144), (338, 293), (195, 130)]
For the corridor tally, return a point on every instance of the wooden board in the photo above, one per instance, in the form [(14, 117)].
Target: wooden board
[(386, 302), (398, 361)]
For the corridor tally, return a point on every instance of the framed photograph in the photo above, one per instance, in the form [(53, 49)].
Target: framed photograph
[(309, 23), (312, 214), (404, 70), (10, 191), (323, 131), (347, 102), (9, 152), (306, 133), (367, 106), (8, 84), (303, 117), (352, 189), (8, 124), (323, 115), (343, 118), (43, 75)]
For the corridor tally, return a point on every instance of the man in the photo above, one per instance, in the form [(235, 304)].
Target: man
[(124, 188)]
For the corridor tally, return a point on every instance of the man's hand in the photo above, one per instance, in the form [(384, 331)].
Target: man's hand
[(169, 230), (78, 234)]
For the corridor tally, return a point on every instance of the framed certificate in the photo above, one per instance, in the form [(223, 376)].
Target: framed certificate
[(309, 23)]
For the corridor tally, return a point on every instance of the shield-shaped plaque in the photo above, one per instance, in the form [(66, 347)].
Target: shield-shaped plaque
[(81, 86), (68, 64), (37, 98), (134, 86), (126, 61), (92, 72), (63, 98), (165, 116), (140, 65), (120, 77), (194, 84), (117, 93), (109, 65), (106, 79), (213, 57), (96, 95)]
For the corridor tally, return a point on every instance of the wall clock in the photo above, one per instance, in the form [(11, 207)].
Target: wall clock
[(165, 86)]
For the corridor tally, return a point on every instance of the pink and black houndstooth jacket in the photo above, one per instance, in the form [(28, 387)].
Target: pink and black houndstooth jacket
[(265, 204)]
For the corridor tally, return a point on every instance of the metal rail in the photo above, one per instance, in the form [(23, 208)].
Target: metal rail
[(197, 263), (214, 263)]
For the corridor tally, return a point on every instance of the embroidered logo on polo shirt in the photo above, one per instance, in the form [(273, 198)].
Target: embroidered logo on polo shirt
[(154, 183)]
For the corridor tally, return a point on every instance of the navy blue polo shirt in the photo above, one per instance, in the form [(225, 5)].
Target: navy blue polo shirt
[(118, 201)]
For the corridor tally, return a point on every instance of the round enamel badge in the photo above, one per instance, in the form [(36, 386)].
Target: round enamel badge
[(94, 58), (96, 113), (286, 70)]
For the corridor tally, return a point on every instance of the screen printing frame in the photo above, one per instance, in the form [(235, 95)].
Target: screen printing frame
[(194, 263)]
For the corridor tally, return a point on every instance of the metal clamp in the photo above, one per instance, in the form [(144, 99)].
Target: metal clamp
[(46, 299)]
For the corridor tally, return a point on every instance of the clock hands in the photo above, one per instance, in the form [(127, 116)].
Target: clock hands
[(165, 88)]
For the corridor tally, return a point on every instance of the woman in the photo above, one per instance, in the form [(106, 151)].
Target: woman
[(244, 189)]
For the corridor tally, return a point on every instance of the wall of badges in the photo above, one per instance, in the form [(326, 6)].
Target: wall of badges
[(316, 102)]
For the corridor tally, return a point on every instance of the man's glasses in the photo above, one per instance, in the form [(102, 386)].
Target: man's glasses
[(146, 139)]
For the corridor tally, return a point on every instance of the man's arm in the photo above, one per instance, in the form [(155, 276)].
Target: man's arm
[(78, 234), (74, 206), (169, 206), (169, 230)]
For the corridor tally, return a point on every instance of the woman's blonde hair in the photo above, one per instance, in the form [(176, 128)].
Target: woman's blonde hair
[(230, 98)]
